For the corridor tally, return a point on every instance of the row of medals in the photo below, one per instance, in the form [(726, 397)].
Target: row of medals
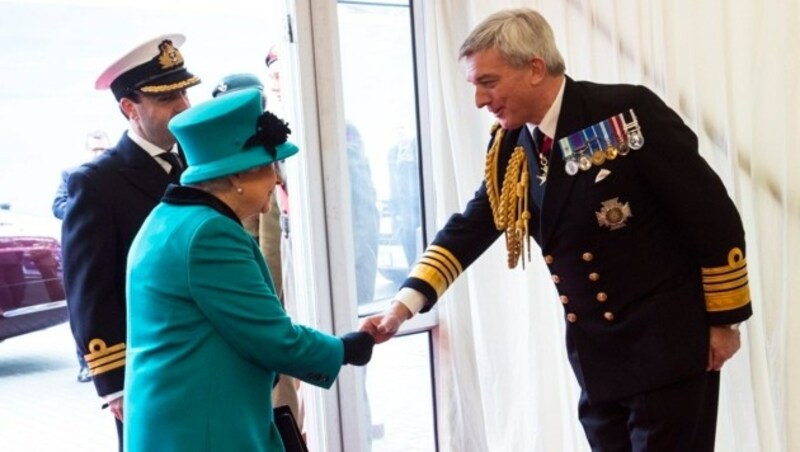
[(600, 142)]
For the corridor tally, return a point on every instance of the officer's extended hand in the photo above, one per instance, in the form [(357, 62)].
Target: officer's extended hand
[(384, 325)]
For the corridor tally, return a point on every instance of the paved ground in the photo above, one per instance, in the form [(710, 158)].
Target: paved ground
[(401, 408), (43, 407)]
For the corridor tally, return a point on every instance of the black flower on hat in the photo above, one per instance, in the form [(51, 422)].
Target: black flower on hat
[(271, 131)]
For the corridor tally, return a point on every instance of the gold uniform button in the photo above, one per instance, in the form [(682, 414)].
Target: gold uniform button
[(564, 299), (601, 297), (594, 276), (609, 316), (556, 279), (587, 257), (572, 317), (548, 259)]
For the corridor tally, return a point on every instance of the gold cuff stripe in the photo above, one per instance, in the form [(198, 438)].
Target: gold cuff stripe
[(742, 272), (726, 288), (432, 276), (99, 362), (728, 285), (109, 367), (98, 349), (444, 261), (440, 266), (736, 260), (171, 87), (444, 252), (728, 300)]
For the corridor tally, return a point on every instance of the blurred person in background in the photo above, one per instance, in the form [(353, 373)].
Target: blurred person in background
[(96, 143), (365, 220), (363, 198), (404, 198)]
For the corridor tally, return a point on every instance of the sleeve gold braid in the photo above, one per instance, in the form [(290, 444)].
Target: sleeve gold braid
[(727, 287), (509, 206), (102, 359), (437, 267)]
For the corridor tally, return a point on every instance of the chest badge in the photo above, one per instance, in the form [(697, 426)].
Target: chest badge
[(613, 214)]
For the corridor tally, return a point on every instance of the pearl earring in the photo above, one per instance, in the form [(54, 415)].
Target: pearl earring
[(239, 190)]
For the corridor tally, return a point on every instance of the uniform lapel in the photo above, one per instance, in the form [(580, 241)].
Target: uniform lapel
[(141, 170), (559, 183)]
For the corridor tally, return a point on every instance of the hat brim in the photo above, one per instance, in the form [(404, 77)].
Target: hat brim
[(242, 161)]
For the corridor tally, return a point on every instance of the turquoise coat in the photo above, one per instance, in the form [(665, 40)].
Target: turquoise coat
[(207, 334)]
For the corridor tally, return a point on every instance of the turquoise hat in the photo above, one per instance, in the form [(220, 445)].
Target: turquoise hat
[(229, 134)]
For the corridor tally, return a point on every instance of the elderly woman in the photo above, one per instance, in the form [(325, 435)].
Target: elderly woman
[(206, 331)]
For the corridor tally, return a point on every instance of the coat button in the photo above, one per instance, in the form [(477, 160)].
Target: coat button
[(548, 259), (564, 299), (587, 256), (609, 316), (572, 317), (601, 297), (594, 276), (556, 279)]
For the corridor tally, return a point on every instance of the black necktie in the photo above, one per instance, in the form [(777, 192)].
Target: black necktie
[(175, 165)]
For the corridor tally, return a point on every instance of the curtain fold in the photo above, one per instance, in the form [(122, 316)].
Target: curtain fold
[(731, 69)]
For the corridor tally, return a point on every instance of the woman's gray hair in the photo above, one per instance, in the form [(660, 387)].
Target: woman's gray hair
[(218, 185), (519, 35), (221, 184)]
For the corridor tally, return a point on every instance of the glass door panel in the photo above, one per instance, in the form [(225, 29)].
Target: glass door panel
[(380, 104)]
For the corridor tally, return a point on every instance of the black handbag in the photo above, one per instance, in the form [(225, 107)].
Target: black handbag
[(288, 429)]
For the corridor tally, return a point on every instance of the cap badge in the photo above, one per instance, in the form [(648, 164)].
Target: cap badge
[(169, 56), (613, 214)]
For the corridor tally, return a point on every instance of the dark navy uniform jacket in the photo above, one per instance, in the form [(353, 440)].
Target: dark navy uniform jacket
[(109, 199), (638, 299)]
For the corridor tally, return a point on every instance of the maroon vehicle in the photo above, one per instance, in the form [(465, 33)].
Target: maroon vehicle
[(31, 278)]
